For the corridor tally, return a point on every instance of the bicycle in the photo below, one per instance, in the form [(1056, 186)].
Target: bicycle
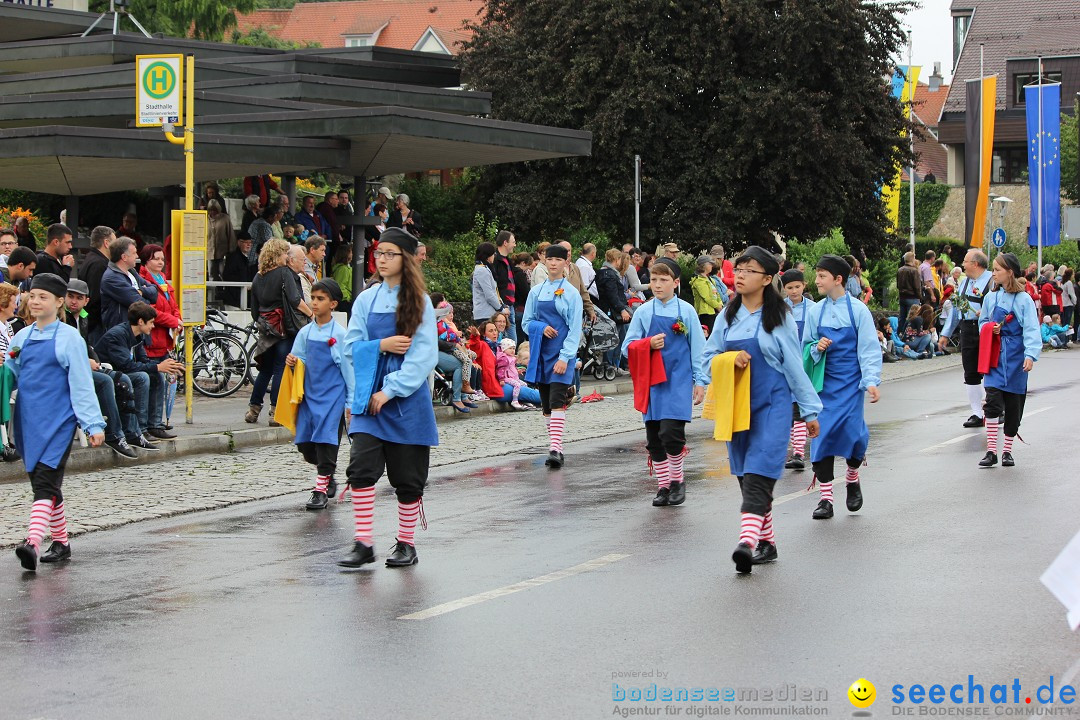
[(249, 332), (220, 364)]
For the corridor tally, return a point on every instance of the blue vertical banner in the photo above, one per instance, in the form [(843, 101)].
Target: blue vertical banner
[(1044, 161)]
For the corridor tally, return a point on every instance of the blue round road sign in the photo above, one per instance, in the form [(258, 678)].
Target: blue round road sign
[(999, 238)]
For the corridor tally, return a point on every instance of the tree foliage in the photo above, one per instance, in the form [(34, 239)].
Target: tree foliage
[(203, 19), (1070, 180), (259, 37), (750, 115)]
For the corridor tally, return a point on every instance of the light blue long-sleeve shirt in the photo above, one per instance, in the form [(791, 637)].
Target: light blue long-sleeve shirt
[(71, 354), (641, 324), (569, 307), (1023, 309), (834, 313), (781, 349), (968, 288), (421, 357), (315, 333), (800, 311)]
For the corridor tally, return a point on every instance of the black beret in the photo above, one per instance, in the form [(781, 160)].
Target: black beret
[(330, 287), (674, 266), (1011, 262), (835, 265), (792, 276), (766, 259), (49, 283), (401, 238), (557, 251)]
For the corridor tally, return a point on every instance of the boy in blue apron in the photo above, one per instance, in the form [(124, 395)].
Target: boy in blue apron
[(758, 325), (794, 286), (56, 390), (393, 345), (328, 381), (672, 328), (841, 329), (552, 320), (1016, 323)]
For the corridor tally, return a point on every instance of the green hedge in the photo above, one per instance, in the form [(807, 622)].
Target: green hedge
[(929, 202)]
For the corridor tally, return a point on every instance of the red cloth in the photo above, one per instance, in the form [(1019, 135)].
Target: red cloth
[(990, 346), (168, 318), (727, 274), (646, 370), (488, 382)]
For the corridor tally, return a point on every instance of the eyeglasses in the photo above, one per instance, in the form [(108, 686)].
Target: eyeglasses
[(748, 271), (385, 254)]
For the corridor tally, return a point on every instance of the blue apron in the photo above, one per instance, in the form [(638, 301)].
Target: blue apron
[(44, 419), (762, 449), (541, 370), (1009, 374), (843, 429), (672, 400), (319, 418), (404, 420)]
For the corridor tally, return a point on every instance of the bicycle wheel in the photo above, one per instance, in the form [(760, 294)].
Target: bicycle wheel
[(219, 365)]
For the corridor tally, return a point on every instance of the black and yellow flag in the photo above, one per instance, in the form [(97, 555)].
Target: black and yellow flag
[(978, 155)]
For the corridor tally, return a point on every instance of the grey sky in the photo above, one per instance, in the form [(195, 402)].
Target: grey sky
[(931, 31)]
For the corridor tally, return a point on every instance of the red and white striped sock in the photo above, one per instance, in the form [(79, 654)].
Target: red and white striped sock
[(826, 490), (408, 514), (663, 478), (40, 515), (992, 434), (750, 530), (852, 475), (556, 428), (363, 503), (798, 437), (767, 529), (1007, 446), (58, 524), (675, 467), (321, 483)]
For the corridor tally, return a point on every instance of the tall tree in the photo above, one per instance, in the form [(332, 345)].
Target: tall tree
[(750, 115), (203, 19)]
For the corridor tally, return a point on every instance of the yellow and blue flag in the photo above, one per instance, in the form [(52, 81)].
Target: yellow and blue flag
[(904, 82), (1044, 161)]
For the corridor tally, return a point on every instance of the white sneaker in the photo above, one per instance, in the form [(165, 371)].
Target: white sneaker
[(516, 405)]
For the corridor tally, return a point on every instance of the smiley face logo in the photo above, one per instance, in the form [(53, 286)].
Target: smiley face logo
[(862, 693)]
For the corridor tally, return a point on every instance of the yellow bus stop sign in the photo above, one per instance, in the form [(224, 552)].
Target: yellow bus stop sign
[(159, 82)]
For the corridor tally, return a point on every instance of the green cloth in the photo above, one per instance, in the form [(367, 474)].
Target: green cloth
[(706, 296), (7, 386), (815, 370), (342, 273)]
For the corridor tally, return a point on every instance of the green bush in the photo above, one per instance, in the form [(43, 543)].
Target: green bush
[(1066, 253), (810, 253), (929, 202), (446, 211), (450, 265), (589, 233), (936, 243), (882, 278)]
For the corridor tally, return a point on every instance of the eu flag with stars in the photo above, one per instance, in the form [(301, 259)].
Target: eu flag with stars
[(1044, 161)]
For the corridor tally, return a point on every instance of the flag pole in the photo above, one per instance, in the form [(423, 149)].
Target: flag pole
[(1041, 210), (911, 147)]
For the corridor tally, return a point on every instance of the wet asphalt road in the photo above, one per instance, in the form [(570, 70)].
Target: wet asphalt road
[(242, 613)]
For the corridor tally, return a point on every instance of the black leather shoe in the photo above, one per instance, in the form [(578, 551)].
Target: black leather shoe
[(361, 555), (661, 498), (989, 460), (678, 493), (404, 555), (57, 551), (331, 488), (160, 433), (27, 555), (974, 421), (554, 460), (744, 558), (854, 496), (766, 553), (318, 501), (141, 442), (795, 463), (823, 511), (1007, 459)]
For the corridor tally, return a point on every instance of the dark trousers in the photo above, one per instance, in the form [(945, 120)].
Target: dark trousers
[(757, 493), (969, 351), (322, 455), (1011, 405), (406, 466), (271, 369), (664, 437), (555, 396), (823, 468), (45, 481)]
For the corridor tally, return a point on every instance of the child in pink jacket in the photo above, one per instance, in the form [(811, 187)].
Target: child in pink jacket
[(506, 370)]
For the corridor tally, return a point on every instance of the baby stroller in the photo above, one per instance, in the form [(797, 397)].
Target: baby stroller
[(441, 392), (599, 336)]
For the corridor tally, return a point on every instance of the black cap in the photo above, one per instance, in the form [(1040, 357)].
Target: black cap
[(399, 237), (835, 265), (792, 276), (330, 287), (557, 251), (1012, 262), (766, 259), (49, 283), (674, 266)]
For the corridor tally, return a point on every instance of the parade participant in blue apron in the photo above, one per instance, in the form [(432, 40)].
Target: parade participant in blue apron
[(842, 330), (964, 318), (668, 326), (794, 283), (393, 345), (56, 391), (552, 319), (1015, 322), (328, 388), (758, 325)]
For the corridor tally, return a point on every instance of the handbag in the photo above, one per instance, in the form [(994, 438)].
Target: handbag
[(272, 323), (294, 320)]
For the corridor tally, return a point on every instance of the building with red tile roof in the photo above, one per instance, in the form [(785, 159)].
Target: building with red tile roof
[(926, 108), (425, 25)]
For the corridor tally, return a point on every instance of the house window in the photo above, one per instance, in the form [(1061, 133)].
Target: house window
[(1019, 81), (357, 41), (961, 24), (1009, 164)]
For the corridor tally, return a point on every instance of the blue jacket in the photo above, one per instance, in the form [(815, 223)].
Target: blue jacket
[(126, 353), (117, 295)]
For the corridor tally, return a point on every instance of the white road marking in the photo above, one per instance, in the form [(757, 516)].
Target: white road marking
[(465, 602), (961, 438)]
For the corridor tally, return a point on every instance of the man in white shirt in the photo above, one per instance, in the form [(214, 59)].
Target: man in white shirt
[(588, 272)]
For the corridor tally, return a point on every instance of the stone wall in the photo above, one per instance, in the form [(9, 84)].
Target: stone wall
[(951, 221)]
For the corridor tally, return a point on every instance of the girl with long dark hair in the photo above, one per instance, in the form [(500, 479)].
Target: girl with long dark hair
[(393, 345), (758, 325)]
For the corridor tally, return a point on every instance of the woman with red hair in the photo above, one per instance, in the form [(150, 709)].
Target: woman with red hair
[(168, 323)]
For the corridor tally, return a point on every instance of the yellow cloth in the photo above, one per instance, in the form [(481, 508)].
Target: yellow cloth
[(728, 398), (290, 395)]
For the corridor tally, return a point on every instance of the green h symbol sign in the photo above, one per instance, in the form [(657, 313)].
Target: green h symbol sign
[(159, 80)]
